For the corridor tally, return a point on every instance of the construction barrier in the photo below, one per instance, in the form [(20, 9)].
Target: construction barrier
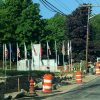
[(97, 68), (47, 83), (32, 83), (78, 77)]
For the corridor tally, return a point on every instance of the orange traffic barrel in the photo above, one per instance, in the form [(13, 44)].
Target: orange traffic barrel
[(78, 77), (47, 83), (31, 89), (97, 64), (97, 71)]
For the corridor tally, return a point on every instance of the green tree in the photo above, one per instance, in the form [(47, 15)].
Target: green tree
[(21, 22), (76, 32), (95, 22), (55, 30)]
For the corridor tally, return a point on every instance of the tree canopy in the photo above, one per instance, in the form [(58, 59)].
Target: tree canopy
[(76, 26)]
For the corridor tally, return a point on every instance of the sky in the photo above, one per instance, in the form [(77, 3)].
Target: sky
[(66, 6)]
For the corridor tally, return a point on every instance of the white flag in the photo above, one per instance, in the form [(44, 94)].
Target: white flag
[(63, 49), (68, 48), (25, 51), (18, 51), (48, 48), (6, 52)]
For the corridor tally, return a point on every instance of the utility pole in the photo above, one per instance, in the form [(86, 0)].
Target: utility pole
[(87, 31), (87, 37)]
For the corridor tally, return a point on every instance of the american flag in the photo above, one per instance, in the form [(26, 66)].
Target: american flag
[(6, 52)]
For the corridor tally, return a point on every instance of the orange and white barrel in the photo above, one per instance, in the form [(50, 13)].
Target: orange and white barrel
[(78, 77), (47, 83), (97, 69)]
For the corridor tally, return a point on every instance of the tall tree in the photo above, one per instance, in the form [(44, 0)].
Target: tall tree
[(76, 32), (55, 30), (95, 23), (21, 22)]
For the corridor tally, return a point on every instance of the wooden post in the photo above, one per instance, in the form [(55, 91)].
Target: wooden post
[(18, 84)]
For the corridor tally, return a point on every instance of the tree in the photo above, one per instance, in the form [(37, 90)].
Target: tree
[(95, 23), (21, 22), (76, 32), (55, 30)]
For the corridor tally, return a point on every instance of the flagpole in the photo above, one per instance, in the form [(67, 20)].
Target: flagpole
[(47, 56), (58, 60), (68, 55), (3, 56), (32, 54), (5, 59), (10, 54), (39, 56), (56, 53), (17, 55), (63, 55), (5, 67), (71, 54)]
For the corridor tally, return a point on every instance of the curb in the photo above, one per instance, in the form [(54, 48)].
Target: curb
[(65, 91)]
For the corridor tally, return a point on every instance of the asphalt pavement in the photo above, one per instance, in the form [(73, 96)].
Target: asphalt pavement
[(88, 91)]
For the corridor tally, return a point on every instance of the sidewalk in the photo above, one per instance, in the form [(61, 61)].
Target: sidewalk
[(72, 85), (62, 89)]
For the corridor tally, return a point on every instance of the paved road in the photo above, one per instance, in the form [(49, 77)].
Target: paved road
[(89, 91)]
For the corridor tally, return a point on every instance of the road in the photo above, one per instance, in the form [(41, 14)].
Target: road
[(88, 91)]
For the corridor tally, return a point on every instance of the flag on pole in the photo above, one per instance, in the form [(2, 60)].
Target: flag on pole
[(56, 51), (25, 51), (33, 50), (6, 52), (63, 49), (10, 50), (18, 51), (3, 55), (48, 49), (68, 48)]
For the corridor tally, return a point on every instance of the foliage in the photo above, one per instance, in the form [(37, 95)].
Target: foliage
[(23, 73), (55, 30), (20, 22), (76, 32), (95, 22)]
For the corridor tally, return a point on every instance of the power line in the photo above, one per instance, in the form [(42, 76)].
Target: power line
[(63, 5), (49, 6), (54, 7)]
